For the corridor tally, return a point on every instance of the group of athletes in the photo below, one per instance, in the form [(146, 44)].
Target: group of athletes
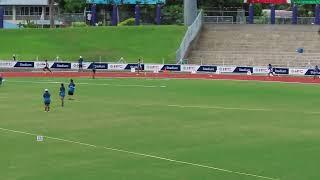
[(62, 94), (80, 62)]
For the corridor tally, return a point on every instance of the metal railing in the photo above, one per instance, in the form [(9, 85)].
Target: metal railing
[(282, 20), (69, 18), (218, 19), (225, 17), (191, 34)]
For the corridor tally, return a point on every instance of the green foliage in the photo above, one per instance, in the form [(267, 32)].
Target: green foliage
[(172, 14), (30, 24), (257, 9), (127, 22), (79, 24), (306, 10), (73, 6)]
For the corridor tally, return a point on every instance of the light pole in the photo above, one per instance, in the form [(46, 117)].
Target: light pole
[(190, 11)]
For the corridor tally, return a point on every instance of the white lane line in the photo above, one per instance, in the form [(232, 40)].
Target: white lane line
[(242, 109), (145, 155), (219, 107), (81, 83)]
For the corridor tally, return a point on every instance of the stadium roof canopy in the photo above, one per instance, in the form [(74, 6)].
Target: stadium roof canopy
[(24, 2), (126, 1)]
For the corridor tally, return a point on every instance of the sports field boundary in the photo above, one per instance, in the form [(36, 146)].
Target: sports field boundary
[(141, 154), (168, 75)]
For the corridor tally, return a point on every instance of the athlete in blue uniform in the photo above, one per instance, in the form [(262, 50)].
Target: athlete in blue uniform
[(62, 93), (46, 100), (72, 87)]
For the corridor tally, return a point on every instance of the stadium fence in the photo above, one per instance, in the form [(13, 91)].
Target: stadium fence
[(191, 34)]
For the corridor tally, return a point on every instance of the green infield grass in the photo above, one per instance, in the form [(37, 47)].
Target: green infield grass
[(141, 129), (156, 44)]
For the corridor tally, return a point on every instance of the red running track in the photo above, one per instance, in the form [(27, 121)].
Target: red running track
[(292, 79)]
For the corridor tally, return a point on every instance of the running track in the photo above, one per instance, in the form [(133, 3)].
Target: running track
[(292, 79)]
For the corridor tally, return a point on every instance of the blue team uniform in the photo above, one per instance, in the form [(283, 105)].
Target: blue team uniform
[(46, 98), (72, 87), (62, 92)]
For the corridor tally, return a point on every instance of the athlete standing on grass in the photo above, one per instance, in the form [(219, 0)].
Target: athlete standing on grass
[(72, 87), (62, 93), (46, 100)]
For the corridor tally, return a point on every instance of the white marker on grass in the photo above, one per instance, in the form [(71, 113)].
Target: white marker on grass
[(40, 138)]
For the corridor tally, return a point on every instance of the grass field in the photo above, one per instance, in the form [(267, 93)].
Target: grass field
[(266, 129), (152, 43)]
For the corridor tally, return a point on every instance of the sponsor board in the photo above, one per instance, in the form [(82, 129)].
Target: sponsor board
[(189, 68), (169, 67), (42, 64), (296, 71), (85, 65), (60, 65), (158, 67), (7, 64), (281, 70), (152, 67), (21, 64), (243, 69), (99, 66), (135, 66), (117, 66), (226, 69), (207, 69), (260, 70), (310, 72)]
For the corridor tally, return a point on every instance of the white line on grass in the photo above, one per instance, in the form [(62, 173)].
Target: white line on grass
[(241, 109), (115, 85), (145, 155), (219, 107)]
